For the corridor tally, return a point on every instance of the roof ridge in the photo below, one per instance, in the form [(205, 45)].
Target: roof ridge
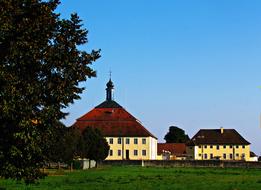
[(109, 104), (215, 129)]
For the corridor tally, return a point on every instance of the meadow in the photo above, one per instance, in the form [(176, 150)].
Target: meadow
[(143, 178)]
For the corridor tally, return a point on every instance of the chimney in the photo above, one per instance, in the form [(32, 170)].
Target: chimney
[(221, 130)]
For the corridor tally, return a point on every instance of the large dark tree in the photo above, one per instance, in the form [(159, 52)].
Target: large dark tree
[(40, 71), (64, 144), (97, 147), (53, 147), (176, 135)]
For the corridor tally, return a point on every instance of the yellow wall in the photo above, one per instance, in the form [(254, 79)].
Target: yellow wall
[(159, 157), (171, 157), (232, 152), (149, 147)]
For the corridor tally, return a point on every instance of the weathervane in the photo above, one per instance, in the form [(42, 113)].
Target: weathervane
[(110, 73)]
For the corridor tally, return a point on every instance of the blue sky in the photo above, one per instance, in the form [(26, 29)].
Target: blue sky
[(195, 64)]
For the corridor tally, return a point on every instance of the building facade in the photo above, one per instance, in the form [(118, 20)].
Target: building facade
[(132, 148), (218, 144), (126, 136)]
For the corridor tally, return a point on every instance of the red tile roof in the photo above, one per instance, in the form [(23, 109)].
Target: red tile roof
[(113, 121), (177, 149)]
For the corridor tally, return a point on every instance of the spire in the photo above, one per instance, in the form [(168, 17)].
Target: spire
[(109, 90)]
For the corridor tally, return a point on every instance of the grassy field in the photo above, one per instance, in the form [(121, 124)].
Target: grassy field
[(138, 178)]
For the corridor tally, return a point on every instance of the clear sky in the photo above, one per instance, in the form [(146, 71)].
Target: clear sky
[(195, 64)]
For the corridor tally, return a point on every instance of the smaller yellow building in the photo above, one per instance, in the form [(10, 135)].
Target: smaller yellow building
[(171, 151), (218, 144)]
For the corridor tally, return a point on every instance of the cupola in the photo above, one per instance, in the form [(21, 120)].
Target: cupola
[(109, 91)]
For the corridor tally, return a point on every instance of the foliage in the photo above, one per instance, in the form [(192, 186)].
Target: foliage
[(127, 177), (97, 147), (176, 135), (40, 71), (71, 143), (52, 138), (64, 144)]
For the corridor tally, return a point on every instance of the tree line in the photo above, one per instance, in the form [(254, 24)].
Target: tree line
[(68, 144)]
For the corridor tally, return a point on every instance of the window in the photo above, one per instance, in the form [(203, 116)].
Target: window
[(230, 146), (143, 152), (135, 141), (119, 152), (224, 146), (217, 147), (111, 140), (237, 155), (199, 146), (199, 155), (243, 156), (211, 146), (135, 152), (237, 146), (127, 141), (111, 152), (231, 156), (224, 156), (119, 140), (211, 156), (143, 141), (243, 146), (205, 146), (205, 156)]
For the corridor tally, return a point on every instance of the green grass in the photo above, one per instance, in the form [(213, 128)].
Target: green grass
[(138, 178)]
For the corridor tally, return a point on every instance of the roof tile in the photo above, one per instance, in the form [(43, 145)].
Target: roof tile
[(113, 121), (174, 148)]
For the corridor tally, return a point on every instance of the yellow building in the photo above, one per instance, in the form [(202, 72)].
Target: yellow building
[(126, 136), (218, 144), (132, 148)]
